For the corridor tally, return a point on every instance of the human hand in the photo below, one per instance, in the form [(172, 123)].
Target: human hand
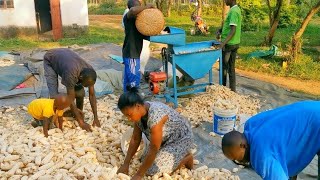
[(136, 177), (85, 126), (221, 46), (124, 169), (218, 34), (96, 122)]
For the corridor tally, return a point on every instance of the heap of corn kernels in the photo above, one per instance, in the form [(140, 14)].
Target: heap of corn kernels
[(76, 154), (200, 107)]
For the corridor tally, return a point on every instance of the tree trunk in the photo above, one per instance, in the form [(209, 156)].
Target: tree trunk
[(199, 12), (225, 10), (270, 13), (169, 8), (296, 39), (178, 7), (274, 18), (158, 4)]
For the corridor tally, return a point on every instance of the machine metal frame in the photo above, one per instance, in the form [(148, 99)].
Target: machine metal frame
[(193, 60)]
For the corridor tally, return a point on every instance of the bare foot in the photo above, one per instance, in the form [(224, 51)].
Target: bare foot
[(187, 161)]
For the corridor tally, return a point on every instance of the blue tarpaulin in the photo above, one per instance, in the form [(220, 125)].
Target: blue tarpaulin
[(12, 76)]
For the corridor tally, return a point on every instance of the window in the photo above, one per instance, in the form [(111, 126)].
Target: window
[(6, 4)]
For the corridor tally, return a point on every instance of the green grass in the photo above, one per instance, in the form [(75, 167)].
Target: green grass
[(307, 68), (107, 8), (95, 35)]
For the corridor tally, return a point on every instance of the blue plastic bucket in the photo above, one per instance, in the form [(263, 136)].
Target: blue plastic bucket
[(224, 120)]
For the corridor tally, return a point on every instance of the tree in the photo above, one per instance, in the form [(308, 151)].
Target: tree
[(296, 39), (199, 11), (161, 5), (274, 17), (225, 10), (169, 8)]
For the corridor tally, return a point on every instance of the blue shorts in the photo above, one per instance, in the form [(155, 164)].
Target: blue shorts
[(131, 76)]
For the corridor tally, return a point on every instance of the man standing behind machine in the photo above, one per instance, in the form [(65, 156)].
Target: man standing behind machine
[(75, 74), (230, 35), (132, 45)]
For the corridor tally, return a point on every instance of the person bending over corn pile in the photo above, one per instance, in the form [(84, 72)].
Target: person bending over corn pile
[(75, 74), (170, 136), (278, 143), (43, 111)]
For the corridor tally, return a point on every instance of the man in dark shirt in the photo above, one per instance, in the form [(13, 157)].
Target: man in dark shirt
[(132, 45), (75, 74)]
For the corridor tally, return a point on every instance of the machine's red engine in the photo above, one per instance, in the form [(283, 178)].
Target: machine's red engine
[(157, 82)]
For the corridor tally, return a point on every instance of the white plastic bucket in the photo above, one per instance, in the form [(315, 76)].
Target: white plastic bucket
[(224, 120)]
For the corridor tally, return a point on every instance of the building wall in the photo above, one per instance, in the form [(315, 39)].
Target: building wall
[(21, 20), (23, 14), (74, 16), (74, 12)]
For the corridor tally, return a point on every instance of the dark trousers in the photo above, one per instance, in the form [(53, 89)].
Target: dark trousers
[(229, 61), (52, 83)]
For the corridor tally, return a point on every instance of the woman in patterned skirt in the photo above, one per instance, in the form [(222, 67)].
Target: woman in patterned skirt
[(169, 133)]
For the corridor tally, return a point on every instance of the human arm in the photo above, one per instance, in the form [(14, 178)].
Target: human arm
[(229, 37), (46, 126), (60, 120), (155, 143), (134, 11), (82, 124), (93, 103), (133, 147)]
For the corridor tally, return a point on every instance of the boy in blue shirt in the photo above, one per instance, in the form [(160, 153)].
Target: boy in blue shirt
[(278, 143)]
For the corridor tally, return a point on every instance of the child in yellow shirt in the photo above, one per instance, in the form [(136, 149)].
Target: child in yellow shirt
[(45, 109)]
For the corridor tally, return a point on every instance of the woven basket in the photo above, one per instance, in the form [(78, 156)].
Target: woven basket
[(150, 22)]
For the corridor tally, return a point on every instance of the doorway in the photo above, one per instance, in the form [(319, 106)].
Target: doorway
[(43, 15), (48, 16)]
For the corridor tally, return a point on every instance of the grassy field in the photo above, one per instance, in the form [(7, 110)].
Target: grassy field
[(111, 32)]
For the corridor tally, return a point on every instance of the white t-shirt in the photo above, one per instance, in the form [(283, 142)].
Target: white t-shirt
[(124, 13)]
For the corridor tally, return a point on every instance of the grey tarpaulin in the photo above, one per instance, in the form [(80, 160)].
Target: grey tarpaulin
[(112, 76)]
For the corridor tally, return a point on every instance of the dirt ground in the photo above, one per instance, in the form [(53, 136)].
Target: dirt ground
[(109, 21), (306, 86)]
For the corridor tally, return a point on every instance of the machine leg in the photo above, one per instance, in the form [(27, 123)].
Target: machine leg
[(319, 166), (210, 77), (165, 59), (166, 70), (220, 69), (175, 90)]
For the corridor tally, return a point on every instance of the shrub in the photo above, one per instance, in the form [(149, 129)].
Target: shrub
[(288, 16), (252, 17), (305, 68)]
